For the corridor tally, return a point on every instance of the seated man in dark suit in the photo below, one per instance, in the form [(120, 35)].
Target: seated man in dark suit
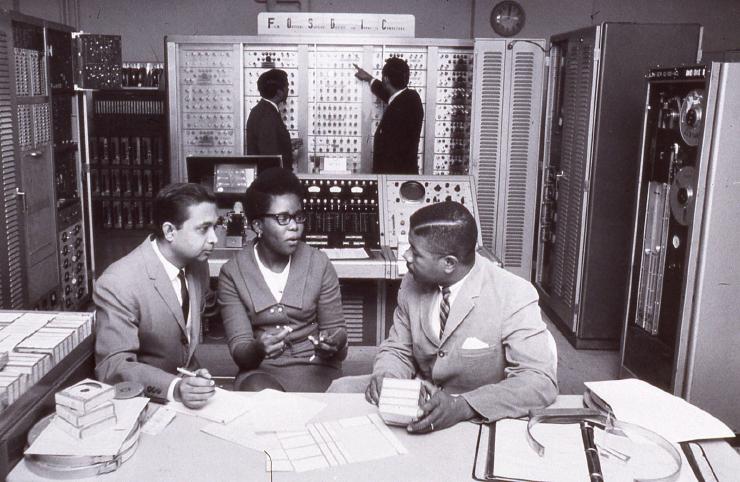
[(471, 331), (149, 302), (266, 132), (396, 141)]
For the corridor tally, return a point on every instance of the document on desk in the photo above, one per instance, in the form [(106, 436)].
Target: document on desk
[(513, 458), (638, 402), (54, 441), (222, 408)]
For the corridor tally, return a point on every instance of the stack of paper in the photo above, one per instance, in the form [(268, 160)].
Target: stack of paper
[(638, 402)]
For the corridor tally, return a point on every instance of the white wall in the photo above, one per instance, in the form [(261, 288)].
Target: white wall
[(144, 23), (547, 17)]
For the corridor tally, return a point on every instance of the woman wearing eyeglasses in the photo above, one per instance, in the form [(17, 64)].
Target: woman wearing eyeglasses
[(279, 297)]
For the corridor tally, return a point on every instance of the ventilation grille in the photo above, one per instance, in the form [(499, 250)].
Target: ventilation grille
[(575, 114), (517, 213), (491, 87), (11, 288), (352, 305)]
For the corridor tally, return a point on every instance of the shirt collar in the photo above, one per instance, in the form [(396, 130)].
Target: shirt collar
[(171, 270), (273, 104), (396, 95), (455, 288)]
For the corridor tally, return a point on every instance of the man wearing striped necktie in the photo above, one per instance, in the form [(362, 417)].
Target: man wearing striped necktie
[(470, 330)]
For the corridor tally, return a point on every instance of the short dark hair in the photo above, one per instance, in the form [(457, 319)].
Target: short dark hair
[(172, 203), (271, 81), (275, 181), (449, 228), (397, 71)]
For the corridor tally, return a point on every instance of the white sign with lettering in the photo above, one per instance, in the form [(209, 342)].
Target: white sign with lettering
[(305, 23)]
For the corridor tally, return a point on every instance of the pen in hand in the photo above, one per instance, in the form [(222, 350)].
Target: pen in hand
[(187, 372)]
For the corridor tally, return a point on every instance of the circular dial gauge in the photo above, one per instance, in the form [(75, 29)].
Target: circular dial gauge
[(507, 18)]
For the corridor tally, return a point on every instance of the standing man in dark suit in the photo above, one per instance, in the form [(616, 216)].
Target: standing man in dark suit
[(149, 302), (397, 136), (266, 132)]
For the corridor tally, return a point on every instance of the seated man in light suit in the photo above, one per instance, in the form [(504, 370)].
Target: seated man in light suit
[(149, 302), (470, 330)]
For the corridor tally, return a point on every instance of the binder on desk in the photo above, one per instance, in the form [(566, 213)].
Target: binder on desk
[(503, 454), (584, 450)]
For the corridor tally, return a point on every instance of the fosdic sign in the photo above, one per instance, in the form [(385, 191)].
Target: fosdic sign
[(305, 23)]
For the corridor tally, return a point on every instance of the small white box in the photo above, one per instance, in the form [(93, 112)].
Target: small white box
[(85, 395), (399, 401)]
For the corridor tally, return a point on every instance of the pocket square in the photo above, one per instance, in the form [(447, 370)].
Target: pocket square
[(473, 343)]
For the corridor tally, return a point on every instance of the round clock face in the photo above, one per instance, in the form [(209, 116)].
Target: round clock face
[(507, 18)]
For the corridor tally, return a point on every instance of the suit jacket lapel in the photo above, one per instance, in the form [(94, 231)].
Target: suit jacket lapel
[(423, 309), (259, 292), (162, 283), (194, 290), (298, 277), (464, 301)]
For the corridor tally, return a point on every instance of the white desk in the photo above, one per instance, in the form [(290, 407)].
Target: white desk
[(183, 453)]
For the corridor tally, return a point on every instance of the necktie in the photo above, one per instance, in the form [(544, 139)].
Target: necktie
[(184, 295), (444, 310)]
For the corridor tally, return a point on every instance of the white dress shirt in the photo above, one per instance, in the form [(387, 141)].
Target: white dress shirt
[(273, 104), (172, 272), (434, 312)]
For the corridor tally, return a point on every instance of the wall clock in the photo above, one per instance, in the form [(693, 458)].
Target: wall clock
[(507, 18)]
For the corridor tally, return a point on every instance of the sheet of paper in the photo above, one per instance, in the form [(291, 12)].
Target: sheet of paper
[(269, 411), (564, 458), (54, 441), (318, 445), (638, 402), (223, 407), (158, 421)]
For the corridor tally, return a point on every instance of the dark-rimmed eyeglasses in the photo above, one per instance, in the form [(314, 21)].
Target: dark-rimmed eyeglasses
[(283, 219)]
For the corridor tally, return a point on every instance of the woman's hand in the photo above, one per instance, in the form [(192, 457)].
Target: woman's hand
[(273, 341), (329, 343)]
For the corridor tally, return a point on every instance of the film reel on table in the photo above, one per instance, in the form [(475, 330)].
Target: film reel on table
[(78, 466)]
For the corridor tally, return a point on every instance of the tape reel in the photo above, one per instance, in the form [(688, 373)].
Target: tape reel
[(692, 117), (683, 196)]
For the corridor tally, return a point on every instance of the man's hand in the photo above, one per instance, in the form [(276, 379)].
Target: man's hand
[(441, 411), (362, 74), (372, 392), (329, 344), (194, 392), (272, 341)]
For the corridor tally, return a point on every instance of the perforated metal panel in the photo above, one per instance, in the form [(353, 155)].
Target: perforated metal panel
[(507, 114), (11, 285), (487, 106), (522, 156)]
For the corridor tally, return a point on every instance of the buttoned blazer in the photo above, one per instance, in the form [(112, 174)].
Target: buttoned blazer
[(311, 301), (266, 133), (140, 332), (396, 143), (511, 367)]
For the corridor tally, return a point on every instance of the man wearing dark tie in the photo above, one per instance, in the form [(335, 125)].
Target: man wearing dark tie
[(471, 331), (150, 301), (396, 144)]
